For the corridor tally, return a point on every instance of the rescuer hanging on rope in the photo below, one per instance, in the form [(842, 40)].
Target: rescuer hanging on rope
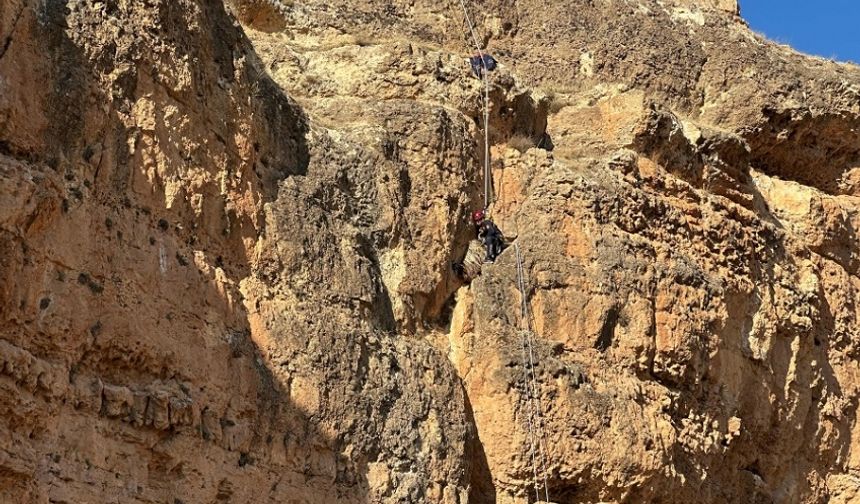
[(484, 249), (489, 235), (481, 62)]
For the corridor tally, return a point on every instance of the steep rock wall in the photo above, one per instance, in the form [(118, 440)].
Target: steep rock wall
[(226, 260), (682, 327), (150, 189)]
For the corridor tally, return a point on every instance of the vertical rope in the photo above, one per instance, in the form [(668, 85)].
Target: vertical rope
[(485, 77), (529, 420), (526, 322), (534, 417), (487, 187), (527, 389), (471, 26), (541, 436), (529, 361)]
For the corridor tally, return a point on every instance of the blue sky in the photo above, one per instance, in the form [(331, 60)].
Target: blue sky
[(829, 28)]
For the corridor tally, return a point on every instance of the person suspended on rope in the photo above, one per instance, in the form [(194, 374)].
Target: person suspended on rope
[(481, 62), (489, 235)]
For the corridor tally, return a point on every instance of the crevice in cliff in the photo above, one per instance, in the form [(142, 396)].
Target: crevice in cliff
[(607, 330), (520, 121), (446, 314), (820, 151), (482, 489), (8, 42)]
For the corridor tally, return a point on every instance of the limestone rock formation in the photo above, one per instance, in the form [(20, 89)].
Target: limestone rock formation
[(228, 229)]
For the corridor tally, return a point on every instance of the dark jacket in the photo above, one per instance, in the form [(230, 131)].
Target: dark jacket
[(488, 231), (479, 64)]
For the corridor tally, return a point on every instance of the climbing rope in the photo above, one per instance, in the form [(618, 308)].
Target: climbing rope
[(485, 78), (529, 421), (528, 370), (537, 438), (534, 419)]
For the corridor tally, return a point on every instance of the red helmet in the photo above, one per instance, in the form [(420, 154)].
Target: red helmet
[(477, 216)]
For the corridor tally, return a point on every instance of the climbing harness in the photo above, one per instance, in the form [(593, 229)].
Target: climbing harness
[(485, 77), (535, 420)]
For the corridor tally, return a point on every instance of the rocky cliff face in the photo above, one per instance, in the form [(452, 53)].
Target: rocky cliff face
[(227, 235)]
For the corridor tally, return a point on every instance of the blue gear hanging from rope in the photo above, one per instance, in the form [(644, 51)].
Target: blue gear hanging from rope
[(481, 63)]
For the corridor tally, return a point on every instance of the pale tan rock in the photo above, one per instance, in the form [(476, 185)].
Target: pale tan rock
[(117, 402), (226, 247)]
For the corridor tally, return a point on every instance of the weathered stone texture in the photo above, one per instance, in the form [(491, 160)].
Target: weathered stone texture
[(226, 236)]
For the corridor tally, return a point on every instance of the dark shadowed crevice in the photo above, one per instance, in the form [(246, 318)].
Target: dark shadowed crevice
[(607, 331), (11, 36), (817, 151), (482, 489)]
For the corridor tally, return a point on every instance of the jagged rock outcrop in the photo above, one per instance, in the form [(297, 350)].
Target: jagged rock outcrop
[(145, 258), (227, 236)]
